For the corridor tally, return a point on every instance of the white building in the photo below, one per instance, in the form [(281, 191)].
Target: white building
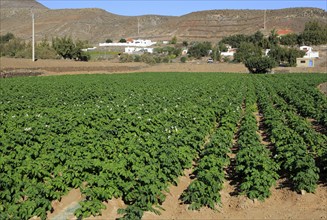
[(89, 49), (230, 52), (131, 50), (309, 53), (133, 43)]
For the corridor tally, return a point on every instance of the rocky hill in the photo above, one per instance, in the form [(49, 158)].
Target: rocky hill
[(97, 25)]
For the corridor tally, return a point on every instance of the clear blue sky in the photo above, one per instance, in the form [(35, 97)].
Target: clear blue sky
[(177, 7)]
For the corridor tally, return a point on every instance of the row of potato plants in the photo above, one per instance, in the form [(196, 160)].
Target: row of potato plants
[(307, 99), (290, 149), (126, 136), (210, 168), (255, 167), (316, 142)]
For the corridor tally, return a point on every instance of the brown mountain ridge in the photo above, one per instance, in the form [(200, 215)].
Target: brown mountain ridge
[(97, 25)]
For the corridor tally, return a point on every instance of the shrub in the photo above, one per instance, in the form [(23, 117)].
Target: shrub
[(137, 58), (183, 59), (148, 58), (125, 58), (260, 64), (166, 59)]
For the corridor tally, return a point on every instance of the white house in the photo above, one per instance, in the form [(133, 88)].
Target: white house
[(230, 52), (309, 53), (133, 43), (131, 50), (89, 49)]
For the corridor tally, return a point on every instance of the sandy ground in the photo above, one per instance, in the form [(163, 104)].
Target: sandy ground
[(282, 204), (323, 87)]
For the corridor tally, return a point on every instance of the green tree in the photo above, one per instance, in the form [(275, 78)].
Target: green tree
[(273, 38), (315, 33), (68, 49), (292, 54), (200, 49), (285, 56), (257, 38), (109, 41), (222, 47), (15, 47), (289, 39), (260, 64), (44, 50), (185, 43), (247, 50), (235, 40), (122, 40)]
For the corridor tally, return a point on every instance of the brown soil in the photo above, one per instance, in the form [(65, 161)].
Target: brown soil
[(323, 88), (283, 204), (61, 67), (73, 197)]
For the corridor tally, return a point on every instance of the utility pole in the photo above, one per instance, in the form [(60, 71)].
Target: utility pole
[(33, 38), (264, 19), (138, 26)]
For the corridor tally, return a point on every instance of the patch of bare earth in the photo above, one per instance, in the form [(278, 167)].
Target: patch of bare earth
[(59, 207), (323, 88), (63, 67)]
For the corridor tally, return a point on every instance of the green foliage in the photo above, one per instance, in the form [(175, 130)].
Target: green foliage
[(286, 56), (130, 136), (109, 41), (289, 39), (314, 34), (222, 47), (246, 51), (185, 43), (168, 50), (273, 38), (44, 50), (173, 40), (291, 150), (260, 64), (204, 191), (122, 40), (235, 40), (183, 59), (199, 49), (125, 58), (150, 59), (68, 49), (7, 37), (254, 165)]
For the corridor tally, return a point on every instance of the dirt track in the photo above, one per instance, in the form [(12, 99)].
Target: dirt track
[(59, 67)]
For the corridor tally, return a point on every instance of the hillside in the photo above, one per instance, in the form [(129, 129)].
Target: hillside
[(96, 25), (27, 4)]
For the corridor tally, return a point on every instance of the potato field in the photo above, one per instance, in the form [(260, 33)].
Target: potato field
[(130, 136)]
